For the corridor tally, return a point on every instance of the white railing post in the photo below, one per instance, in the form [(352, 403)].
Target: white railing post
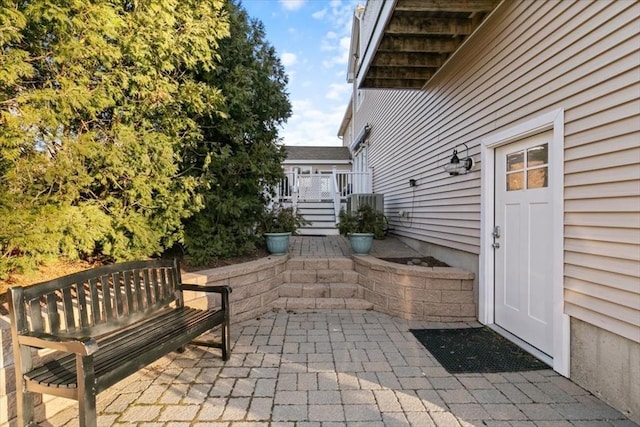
[(336, 195), (294, 191)]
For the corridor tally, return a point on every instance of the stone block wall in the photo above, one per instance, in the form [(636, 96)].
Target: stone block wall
[(254, 286), (438, 294)]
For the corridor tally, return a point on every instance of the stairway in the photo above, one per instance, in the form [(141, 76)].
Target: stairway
[(321, 283), (322, 218)]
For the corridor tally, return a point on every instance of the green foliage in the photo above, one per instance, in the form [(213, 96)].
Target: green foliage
[(238, 158), (98, 103), (281, 220), (366, 219)]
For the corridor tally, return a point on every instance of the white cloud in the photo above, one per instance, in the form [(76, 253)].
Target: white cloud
[(311, 126), (319, 14), (292, 4), (342, 56), (338, 91), (288, 59), (338, 38)]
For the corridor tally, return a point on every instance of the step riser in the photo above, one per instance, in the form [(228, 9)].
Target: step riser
[(315, 211), (322, 304), (320, 217), (315, 205), (321, 290), (302, 263), (320, 220), (321, 276), (318, 231)]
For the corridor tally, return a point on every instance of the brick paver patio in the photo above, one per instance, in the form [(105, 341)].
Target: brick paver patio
[(337, 368)]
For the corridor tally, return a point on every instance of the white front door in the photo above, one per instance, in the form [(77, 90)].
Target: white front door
[(523, 241)]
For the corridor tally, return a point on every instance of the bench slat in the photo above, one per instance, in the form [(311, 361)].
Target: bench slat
[(52, 313), (138, 291), (82, 305), (154, 284), (67, 306), (106, 299), (147, 288), (128, 291), (117, 295), (94, 317), (36, 314)]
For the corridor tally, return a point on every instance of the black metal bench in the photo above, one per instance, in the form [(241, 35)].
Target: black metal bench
[(106, 323)]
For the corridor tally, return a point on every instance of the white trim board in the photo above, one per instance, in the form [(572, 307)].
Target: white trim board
[(554, 121)]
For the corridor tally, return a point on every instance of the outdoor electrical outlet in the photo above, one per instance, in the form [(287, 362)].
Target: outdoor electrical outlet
[(403, 214)]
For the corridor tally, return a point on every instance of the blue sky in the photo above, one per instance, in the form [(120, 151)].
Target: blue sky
[(312, 40)]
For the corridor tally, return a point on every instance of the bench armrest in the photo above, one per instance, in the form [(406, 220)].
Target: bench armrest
[(84, 345), (204, 288)]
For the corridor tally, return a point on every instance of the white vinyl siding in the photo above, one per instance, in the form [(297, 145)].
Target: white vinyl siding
[(529, 58)]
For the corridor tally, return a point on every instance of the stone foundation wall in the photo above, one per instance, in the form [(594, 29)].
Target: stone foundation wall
[(607, 365), (438, 294)]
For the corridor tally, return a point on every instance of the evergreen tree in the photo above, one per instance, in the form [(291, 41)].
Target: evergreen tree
[(239, 157), (98, 103)]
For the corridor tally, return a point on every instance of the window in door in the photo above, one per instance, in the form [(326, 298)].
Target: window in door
[(528, 169)]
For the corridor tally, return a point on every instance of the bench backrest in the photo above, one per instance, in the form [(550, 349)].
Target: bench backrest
[(96, 301)]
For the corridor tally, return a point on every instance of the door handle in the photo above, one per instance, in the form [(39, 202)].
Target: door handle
[(495, 245), (496, 232)]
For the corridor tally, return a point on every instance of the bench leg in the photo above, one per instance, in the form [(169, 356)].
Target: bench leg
[(86, 391), (24, 399), (25, 408), (226, 338)]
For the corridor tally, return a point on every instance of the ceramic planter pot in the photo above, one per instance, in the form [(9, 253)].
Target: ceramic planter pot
[(277, 243), (361, 243)]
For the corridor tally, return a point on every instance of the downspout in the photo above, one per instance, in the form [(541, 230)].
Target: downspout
[(358, 14)]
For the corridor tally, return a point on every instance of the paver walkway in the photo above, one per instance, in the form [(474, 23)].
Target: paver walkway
[(337, 368)]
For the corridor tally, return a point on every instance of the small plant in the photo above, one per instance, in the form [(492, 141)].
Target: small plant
[(365, 220), (281, 220)]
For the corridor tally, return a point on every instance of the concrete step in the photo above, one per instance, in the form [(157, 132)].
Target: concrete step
[(321, 290), (292, 303), (315, 205), (321, 219), (318, 276), (316, 211), (333, 263), (318, 231)]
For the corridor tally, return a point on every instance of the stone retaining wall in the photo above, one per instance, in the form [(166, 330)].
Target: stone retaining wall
[(438, 294), (254, 286)]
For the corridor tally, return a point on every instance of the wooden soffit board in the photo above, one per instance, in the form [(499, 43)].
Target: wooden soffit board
[(419, 38)]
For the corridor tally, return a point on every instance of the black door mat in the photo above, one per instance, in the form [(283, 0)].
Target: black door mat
[(477, 350)]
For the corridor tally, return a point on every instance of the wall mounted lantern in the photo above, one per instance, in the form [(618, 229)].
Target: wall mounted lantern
[(457, 166)]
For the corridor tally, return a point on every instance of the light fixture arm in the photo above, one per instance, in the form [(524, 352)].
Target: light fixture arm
[(456, 166)]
